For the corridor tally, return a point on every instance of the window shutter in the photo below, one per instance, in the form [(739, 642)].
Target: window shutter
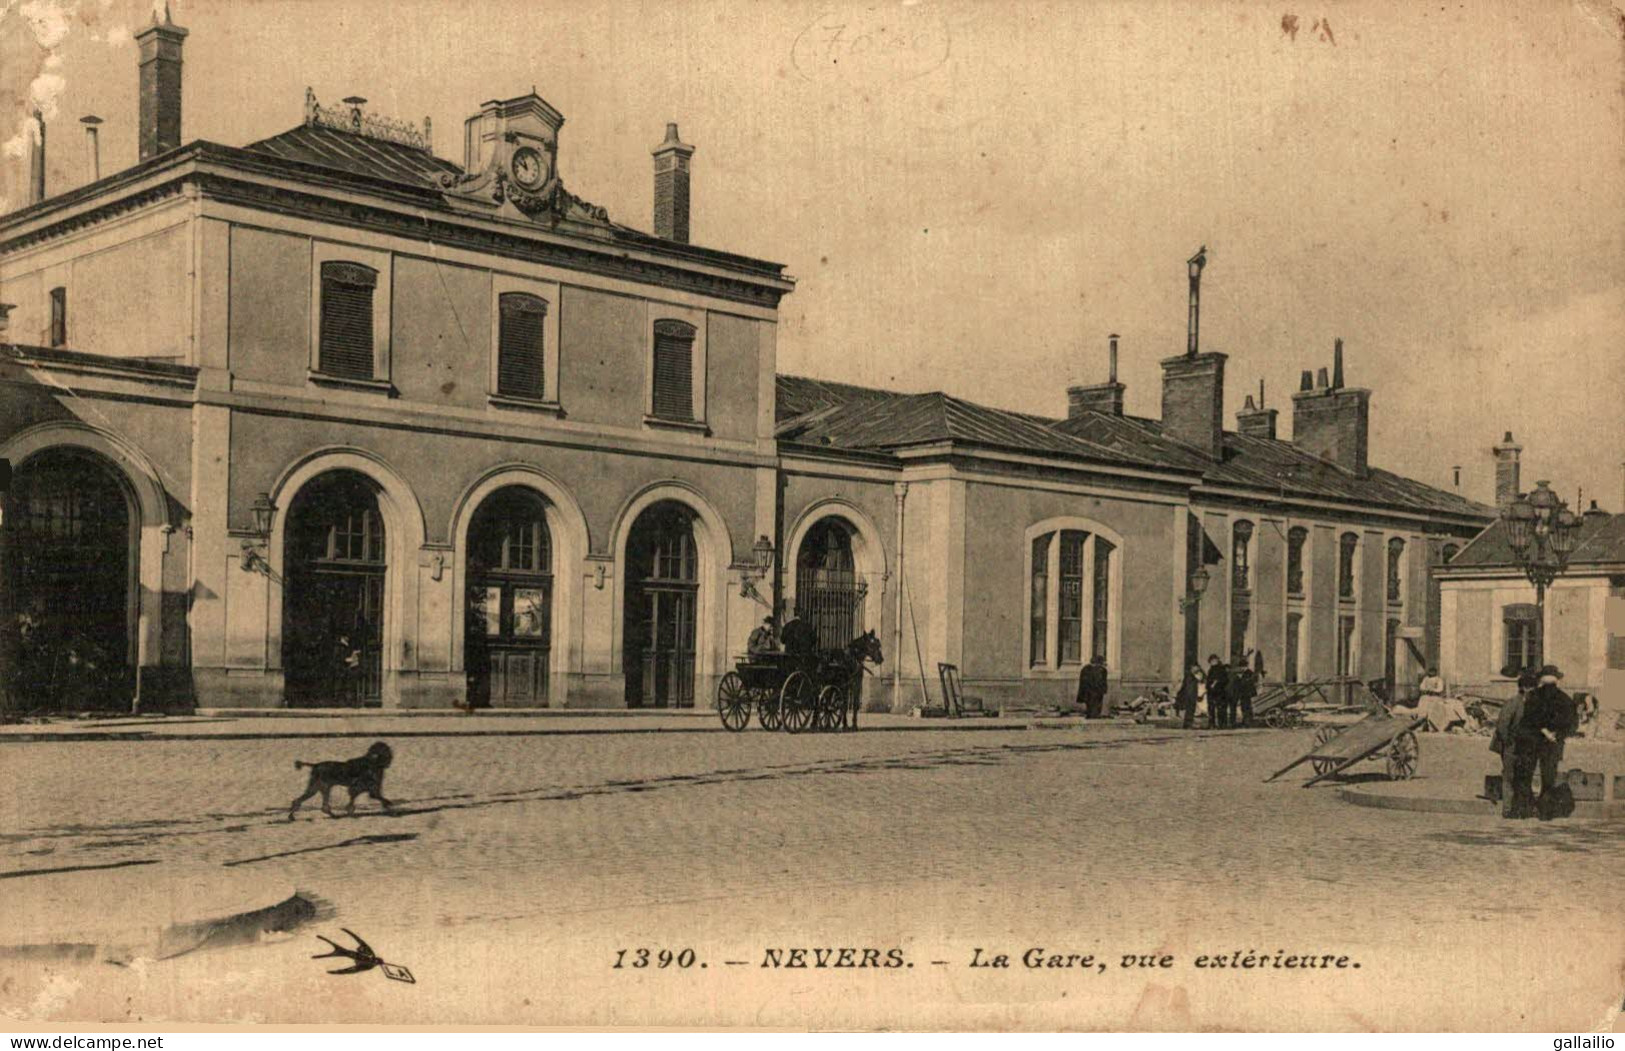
[(520, 355), (674, 370), (346, 327)]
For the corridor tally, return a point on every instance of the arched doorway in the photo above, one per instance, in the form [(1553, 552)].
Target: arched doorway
[(508, 618), (829, 590), (333, 616), (73, 578), (660, 608)]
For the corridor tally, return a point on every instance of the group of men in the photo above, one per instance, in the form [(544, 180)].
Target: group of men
[(1529, 733), (1229, 692)]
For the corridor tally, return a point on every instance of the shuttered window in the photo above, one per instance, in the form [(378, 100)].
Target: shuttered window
[(674, 370), (520, 351), (59, 317), (346, 327)]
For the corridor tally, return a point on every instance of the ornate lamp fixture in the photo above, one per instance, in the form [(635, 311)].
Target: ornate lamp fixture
[(253, 560), (1193, 590), (761, 565), (1542, 532)]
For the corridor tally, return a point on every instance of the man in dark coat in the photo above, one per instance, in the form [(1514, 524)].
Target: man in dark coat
[(1092, 681), (1218, 694), (1549, 716), (799, 637), (1243, 688)]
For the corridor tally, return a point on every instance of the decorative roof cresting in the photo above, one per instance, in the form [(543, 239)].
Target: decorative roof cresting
[(351, 117)]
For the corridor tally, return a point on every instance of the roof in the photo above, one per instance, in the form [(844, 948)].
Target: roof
[(843, 416), (358, 155), (813, 412), (1602, 542)]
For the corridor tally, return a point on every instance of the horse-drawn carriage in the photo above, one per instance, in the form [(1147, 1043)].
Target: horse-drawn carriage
[(798, 692)]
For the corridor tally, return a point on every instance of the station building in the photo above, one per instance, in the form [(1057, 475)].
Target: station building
[(329, 420)]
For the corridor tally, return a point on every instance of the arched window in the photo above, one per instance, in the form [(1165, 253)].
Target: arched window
[(1348, 545), (673, 394), (1297, 538), (346, 340), (1241, 542), (829, 594), (1396, 562), (521, 357), (1069, 598)]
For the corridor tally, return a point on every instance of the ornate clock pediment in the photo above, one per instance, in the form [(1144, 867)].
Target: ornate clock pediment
[(511, 163)]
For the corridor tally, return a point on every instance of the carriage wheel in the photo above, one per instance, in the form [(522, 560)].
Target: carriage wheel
[(1402, 755), (733, 702), (1275, 719), (768, 712), (796, 702), (1322, 735), (832, 707)]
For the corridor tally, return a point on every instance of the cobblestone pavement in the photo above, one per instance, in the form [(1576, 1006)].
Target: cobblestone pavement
[(515, 868)]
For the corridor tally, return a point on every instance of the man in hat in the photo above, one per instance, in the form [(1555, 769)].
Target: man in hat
[(763, 639), (1092, 684), (1549, 716), (1218, 694)]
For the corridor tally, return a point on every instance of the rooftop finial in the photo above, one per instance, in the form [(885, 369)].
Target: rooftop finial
[(1337, 363)]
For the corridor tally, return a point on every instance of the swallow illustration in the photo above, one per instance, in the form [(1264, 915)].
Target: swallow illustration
[(364, 957)]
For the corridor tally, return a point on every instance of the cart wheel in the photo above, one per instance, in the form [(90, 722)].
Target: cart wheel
[(1402, 757), (796, 702), (1275, 719), (832, 707), (1322, 735), (768, 712), (733, 702)]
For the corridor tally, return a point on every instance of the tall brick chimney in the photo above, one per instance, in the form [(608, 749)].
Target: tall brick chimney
[(1333, 422), (159, 127), (671, 186), (1255, 420), (1506, 470), (1102, 397), (1193, 400)]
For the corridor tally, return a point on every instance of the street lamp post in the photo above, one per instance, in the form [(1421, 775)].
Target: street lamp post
[(1189, 606), (1542, 532)]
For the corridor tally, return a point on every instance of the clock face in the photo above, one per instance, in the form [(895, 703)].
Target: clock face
[(529, 168)]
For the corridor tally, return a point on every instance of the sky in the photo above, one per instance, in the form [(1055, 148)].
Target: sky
[(972, 196)]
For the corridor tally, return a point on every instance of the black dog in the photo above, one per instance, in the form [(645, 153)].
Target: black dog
[(363, 775)]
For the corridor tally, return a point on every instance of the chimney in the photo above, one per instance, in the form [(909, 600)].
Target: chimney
[(1255, 420), (159, 129), (1332, 421), (1193, 383), (1456, 473), (1594, 511), (1506, 471), (93, 153), (36, 161), (1193, 401), (671, 186), (1103, 397)]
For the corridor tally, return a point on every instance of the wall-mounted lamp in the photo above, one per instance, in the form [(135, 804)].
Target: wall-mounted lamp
[(598, 576), (1193, 590), (761, 565), (264, 513)]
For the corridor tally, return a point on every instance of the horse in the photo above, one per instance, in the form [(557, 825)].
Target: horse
[(853, 661)]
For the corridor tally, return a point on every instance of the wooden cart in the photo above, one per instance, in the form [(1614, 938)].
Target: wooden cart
[(1380, 735)]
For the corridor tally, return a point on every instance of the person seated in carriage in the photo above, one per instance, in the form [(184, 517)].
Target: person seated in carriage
[(800, 638), (764, 639)]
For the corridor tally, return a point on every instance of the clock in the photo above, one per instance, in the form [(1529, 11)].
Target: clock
[(529, 167)]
